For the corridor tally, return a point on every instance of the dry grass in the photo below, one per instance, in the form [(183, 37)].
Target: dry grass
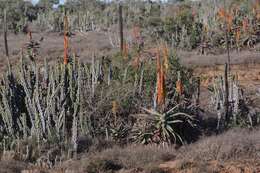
[(239, 146), (12, 166), (246, 73), (235, 144), (222, 152), (134, 157)]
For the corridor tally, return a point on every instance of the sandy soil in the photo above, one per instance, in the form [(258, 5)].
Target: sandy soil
[(85, 44), (245, 166), (51, 46)]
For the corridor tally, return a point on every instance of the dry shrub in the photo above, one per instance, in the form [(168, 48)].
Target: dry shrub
[(235, 144), (101, 144), (128, 158), (137, 155), (156, 170), (103, 165), (12, 166)]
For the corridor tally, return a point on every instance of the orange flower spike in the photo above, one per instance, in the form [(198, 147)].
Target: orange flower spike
[(66, 58), (179, 88), (257, 9), (238, 34), (162, 86), (115, 107), (158, 61), (160, 81), (221, 13), (258, 16), (136, 62), (158, 71), (165, 57), (245, 24), (125, 50), (229, 20), (179, 85), (66, 41)]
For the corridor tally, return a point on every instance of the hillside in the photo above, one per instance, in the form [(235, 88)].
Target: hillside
[(93, 86)]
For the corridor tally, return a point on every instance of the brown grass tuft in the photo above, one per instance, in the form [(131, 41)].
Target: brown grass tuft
[(233, 145)]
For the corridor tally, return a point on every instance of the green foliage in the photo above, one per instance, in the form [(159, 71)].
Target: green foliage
[(187, 79), (48, 4), (18, 13), (240, 112), (181, 24), (186, 30), (165, 124), (59, 102)]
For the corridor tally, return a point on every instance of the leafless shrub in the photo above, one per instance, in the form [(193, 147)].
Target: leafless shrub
[(11, 166), (234, 144), (128, 158)]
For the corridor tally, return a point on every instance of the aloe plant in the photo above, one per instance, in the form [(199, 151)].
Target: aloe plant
[(164, 127)]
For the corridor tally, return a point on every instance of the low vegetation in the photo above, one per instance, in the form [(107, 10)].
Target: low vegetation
[(133, 110), (232, 147)]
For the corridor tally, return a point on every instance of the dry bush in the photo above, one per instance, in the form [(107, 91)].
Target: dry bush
[(129, 158), (233, 145), (138, 156), (88, 144), (11, 166)]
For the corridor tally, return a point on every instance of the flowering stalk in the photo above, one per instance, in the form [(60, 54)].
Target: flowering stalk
[(125, 50), (179, 85), (228, 22), (226, 17), (160, 81), (136, 34), (238, 35), (165, 57)]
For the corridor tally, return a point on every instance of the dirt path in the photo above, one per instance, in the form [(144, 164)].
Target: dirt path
[(240, 166), (243, 57)]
